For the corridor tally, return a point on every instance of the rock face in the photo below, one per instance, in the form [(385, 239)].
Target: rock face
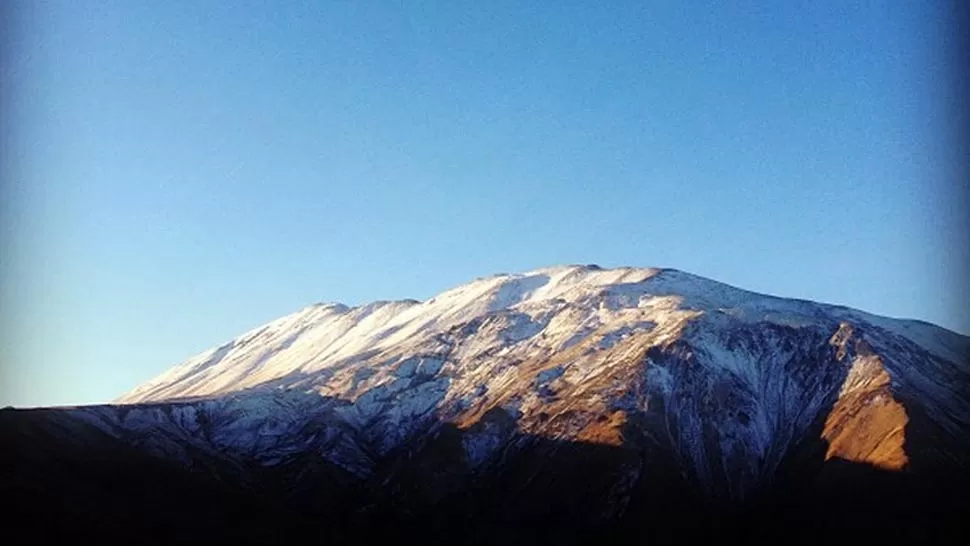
[(564, 404)]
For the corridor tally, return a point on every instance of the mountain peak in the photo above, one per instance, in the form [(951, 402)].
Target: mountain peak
[(645, 376), (538, 312)]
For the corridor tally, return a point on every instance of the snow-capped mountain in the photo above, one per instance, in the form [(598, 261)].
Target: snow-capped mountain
[(482, 399)]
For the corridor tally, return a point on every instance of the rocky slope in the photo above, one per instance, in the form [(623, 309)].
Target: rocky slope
[(546, 405)]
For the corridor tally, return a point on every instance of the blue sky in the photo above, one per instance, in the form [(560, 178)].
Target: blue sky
[(180, 172)]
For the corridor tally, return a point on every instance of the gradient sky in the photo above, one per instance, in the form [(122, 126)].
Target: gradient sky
[(179, 172)]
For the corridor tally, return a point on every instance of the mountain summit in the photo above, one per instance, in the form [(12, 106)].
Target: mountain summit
[(553, 403)]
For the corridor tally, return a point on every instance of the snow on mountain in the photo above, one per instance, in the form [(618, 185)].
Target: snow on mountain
[(321, 337), (728, 381)]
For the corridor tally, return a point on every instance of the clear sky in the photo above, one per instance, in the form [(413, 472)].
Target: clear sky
[(176, 173)]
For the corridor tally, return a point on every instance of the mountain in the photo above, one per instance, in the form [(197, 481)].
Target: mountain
[(570, 404)]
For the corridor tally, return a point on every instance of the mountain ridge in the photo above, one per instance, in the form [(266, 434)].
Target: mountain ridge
[(573, 398), (492, 286)]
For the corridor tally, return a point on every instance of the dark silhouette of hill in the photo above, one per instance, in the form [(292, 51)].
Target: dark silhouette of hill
[(543, 492)]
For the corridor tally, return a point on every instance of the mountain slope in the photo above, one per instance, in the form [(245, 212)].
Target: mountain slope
[(572, 395)]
